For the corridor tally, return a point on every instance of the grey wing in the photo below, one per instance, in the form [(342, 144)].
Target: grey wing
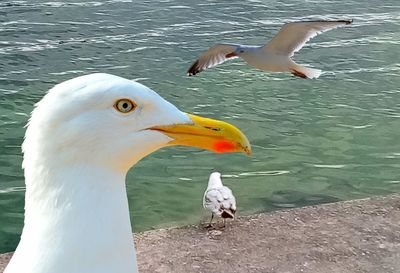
[(213, 200), (213, 56), (229, 202), (293, 36)]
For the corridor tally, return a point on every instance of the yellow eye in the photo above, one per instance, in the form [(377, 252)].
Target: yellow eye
[(124, 106)]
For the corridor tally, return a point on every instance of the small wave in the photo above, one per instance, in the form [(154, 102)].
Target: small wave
[(392, 182), (392, 155), (138, 49), (13, 189), (376, 18), (259, 173), (25, 22), (141, 79), (179, 7), (329, 166), (185, 179), (77, 23), (66, 72), (72, 4), (350, 107), (356, 126), (52, 4)]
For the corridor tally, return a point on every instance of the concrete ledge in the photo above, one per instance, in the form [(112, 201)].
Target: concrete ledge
[(344, 237)]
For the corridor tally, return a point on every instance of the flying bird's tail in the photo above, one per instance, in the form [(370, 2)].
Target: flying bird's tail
[(304, 72)]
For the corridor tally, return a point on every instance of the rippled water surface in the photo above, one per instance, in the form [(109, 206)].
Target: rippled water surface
[(314, 141)]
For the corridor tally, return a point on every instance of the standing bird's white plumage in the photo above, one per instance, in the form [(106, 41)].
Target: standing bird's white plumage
[(219, 199), (82, 138), (275, 55)]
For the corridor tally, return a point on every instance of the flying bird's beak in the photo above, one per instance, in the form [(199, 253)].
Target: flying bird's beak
[(205, 133)]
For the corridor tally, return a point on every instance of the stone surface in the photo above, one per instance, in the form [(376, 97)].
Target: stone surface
[(354, 236)]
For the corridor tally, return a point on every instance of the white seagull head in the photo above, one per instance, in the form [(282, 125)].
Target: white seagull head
[(114, 122)]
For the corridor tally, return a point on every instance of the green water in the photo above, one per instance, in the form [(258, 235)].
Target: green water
[(314, 141)]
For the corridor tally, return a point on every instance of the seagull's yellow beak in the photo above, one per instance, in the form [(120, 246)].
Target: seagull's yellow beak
[(205, 133)]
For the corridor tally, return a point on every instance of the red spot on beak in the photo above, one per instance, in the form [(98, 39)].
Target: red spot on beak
[(224, 146), (230, 55)]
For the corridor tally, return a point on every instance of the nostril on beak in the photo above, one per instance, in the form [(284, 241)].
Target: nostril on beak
[(213, 128)]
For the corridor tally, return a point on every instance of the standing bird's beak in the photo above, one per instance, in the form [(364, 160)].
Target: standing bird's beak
[(205, 133)]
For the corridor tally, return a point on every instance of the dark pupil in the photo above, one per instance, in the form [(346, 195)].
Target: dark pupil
[(125, 105)]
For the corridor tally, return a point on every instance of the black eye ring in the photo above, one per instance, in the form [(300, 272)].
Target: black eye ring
[(124, 106)]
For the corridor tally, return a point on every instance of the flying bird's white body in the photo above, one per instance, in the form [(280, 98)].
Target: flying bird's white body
[(275, 55), (267, 61), (77, 151), (219, 199)]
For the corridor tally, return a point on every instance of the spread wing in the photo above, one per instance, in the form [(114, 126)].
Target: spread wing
[(293, 36), (213, 56)]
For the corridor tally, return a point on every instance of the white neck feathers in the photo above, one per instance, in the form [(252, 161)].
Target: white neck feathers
[(215, 181), (76, 220)]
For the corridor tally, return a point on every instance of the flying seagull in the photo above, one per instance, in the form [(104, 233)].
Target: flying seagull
[(219, 199), (275, 55), (81, 140)]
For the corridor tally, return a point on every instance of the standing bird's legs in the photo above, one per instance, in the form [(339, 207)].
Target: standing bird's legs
[(210, 224)]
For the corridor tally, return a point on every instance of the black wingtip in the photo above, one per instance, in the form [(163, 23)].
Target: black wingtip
[(347, 22), (194, 69), (228, 214)]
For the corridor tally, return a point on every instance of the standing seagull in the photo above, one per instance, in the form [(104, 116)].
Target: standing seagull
[(274, 56), (219, 199)]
